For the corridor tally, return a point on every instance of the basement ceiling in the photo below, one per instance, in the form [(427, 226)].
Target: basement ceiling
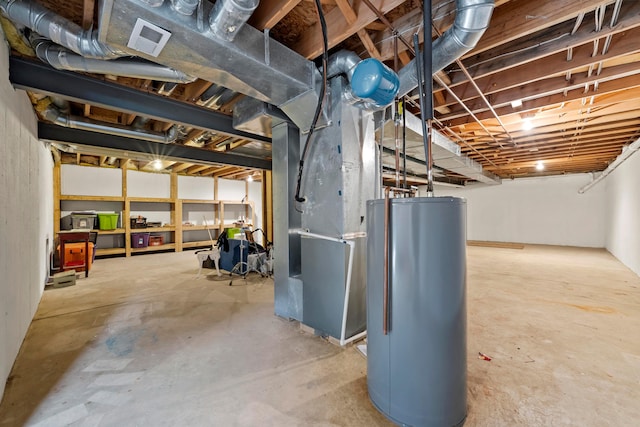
[(551, 82)]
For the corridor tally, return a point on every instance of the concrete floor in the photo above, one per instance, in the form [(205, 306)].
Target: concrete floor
[(141, 342)]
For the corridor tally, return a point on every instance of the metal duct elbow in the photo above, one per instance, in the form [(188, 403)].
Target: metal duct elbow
[(54, 27), (62, 59), (472, 19), (342, 62), (228, 16)]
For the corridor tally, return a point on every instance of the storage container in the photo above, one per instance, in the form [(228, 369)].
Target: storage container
[(108, 221), (138, 222), (74, 256), (78, 221), (139, 240), (156, 240)]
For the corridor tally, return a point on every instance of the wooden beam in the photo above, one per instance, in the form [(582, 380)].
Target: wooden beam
[(193, 91), (624, 45), (87, 14), (369, 44), (551, 42), (521, 18), (347, 11), (267, 204), (310, 43), (179, 167), (270, 12), (551, 93), (197, 168)]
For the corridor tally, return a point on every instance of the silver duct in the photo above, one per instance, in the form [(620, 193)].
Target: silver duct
[(472, 19), (54, 27), (63, 59), (54, 115), (216, 96), (342, 62), (253, 65)]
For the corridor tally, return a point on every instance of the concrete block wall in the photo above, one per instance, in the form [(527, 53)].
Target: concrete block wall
[(26, 217)]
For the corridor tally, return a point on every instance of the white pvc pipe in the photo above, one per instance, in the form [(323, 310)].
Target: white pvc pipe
[(343, 341), (632, 148)]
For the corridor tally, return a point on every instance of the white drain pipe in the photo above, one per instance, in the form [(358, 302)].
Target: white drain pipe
[(626, 153)]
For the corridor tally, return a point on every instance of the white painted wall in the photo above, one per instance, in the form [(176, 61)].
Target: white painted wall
[(545, 210), (145, 184), (196, 187), (26, 217), (622, 189), (102, 181)]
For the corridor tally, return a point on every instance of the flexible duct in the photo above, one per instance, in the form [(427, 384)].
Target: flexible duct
[(472, 19), (51, 113), (63, 59), (54, 27)]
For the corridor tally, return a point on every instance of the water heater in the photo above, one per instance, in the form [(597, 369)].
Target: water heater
[(416, 369)]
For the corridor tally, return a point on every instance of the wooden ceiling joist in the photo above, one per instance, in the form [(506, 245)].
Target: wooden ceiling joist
[(310, 43)]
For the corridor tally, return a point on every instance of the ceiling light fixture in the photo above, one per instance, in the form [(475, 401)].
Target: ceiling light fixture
[(527, 124), (540, 165), (250, 178), (157, 164), (516, 104)]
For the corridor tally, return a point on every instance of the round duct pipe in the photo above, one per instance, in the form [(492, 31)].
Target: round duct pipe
[(228, 16)]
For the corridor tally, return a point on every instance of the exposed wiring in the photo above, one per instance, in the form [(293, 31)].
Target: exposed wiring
[(323, 89)]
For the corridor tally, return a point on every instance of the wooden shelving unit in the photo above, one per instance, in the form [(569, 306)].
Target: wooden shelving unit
[(177, 207)]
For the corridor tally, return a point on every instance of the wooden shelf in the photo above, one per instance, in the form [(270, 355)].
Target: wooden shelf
[(109, 251), (154, 248), (215, 227), (154, 229), (150, 200), (197, 244), (116, 231), (180, 210), (93, 198), (197, 201)]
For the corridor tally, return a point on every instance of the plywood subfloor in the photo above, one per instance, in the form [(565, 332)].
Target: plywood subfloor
[(143, 342)]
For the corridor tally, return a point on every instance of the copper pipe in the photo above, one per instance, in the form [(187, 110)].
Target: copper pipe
[(385, 287)]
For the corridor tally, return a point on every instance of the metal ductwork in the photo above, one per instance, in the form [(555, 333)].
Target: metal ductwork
[(253, 64), (472, 19), (54, 27), (216, 96), (53, 114), (446, 153), (61, 58)]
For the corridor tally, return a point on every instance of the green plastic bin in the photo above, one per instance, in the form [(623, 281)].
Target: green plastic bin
[(108, 221)]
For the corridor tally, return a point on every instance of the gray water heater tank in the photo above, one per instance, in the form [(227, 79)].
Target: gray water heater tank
[(417, 373)]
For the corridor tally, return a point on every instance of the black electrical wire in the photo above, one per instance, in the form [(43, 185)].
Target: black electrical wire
[(323, 89)]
